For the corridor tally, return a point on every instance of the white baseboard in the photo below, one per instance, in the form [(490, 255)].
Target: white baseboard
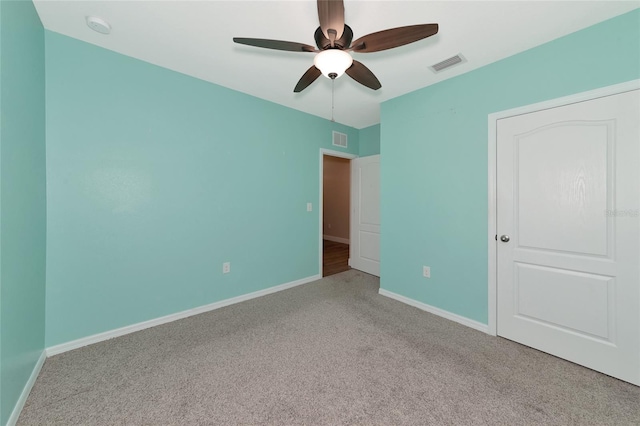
[(13, 418), (436, 311), (335, 239), (85, 341)]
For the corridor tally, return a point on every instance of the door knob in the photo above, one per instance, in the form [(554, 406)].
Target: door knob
[(505, 238)]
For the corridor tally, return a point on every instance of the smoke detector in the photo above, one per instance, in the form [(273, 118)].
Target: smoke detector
[(98, 25)]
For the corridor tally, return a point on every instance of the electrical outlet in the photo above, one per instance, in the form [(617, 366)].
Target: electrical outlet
[(226, 267), (309, 207), (426, 271)]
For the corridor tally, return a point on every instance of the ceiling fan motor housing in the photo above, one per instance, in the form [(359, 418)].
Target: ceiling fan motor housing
[(343, 42)]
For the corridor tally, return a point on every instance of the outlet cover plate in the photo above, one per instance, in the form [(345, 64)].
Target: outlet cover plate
[(426, 271)]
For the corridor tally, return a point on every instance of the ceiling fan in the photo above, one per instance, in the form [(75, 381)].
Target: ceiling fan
[(334, 40)]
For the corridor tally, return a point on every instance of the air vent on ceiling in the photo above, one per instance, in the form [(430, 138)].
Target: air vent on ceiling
[(454, 60), (339, 139)]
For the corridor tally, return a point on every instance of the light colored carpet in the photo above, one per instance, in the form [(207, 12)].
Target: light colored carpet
[(329, 352)]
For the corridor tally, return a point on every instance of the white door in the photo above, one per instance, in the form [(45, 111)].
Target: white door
[(364, 252), (568, 202)]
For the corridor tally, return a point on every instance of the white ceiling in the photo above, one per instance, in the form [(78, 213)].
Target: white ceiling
[(195, 38)]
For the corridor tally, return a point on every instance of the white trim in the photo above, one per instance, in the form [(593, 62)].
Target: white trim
[(17, 409), (332, 153), (85, 341), (491, 237), (335, 239), (436, 311), (492, 180)]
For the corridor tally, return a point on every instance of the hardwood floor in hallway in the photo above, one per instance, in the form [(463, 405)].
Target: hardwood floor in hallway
[(335, 257)]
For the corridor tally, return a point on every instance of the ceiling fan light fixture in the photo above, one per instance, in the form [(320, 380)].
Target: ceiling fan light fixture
[(333, 62)]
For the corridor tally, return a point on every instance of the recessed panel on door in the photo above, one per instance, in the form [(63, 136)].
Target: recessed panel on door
[(370, 193), (370, 246), (581, 302), (564, 186)]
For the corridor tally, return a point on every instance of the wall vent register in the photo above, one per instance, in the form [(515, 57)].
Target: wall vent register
[(339, 139)]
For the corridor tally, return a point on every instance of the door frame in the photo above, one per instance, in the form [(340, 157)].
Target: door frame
[(492, 175), (332, 153)]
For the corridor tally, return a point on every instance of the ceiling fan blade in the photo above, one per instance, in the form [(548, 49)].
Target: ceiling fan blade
[(331, 15), (275, 44), (309, 77), (394, 37), (363, 75)]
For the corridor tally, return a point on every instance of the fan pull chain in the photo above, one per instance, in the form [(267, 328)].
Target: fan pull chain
[(333, 85)]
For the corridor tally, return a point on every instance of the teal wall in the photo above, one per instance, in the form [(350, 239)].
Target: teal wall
[(434, 174), (22, 198), (369, 141), (154, 179)]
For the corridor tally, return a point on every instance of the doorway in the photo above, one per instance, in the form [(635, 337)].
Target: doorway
[(335, 211), (336, 185)]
